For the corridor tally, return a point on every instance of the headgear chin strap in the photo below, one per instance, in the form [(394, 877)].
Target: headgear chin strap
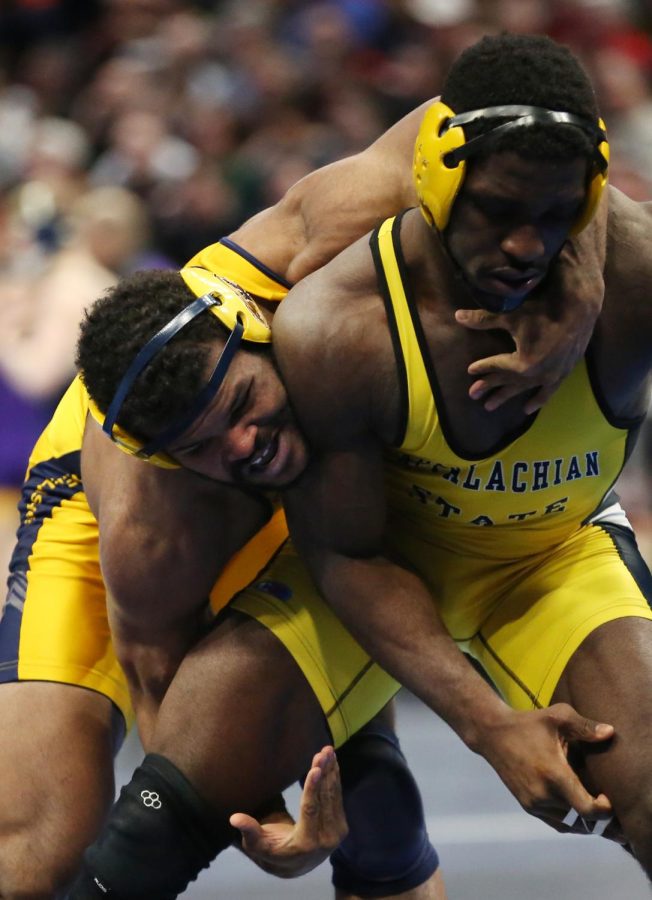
[(236, 310), (441, 152)]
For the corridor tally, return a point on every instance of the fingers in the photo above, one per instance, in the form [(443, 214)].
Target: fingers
[(494, 396), (538, 400), (321, 801), (502, 378), (575, 727), (583, 804), (249, 828), (501, 366), (480, 319), (319, 778)]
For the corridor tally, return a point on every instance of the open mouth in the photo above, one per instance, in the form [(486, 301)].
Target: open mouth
[(511, 282), (261, 458)]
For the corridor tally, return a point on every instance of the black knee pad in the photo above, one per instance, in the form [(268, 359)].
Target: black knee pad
[(159, 835), (387, 850)]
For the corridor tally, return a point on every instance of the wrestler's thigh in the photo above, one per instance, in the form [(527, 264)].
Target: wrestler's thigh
[(56, 759), (240, 718), (609, 679)]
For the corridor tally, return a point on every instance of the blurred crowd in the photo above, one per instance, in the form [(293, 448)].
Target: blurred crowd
[(133, 132)]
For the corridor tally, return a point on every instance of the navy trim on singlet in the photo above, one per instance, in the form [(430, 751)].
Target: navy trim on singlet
[(47, 485), (624, 541), (392, 325), (56, 480), (256, 262), (508, 439)]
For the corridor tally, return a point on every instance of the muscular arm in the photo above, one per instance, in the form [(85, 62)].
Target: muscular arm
[(330, 208), (165, 535)]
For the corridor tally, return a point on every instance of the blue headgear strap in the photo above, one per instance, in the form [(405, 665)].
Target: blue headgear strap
[(149, 351)]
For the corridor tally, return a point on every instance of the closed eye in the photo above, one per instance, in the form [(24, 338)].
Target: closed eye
[(239, 405), (192, 449)]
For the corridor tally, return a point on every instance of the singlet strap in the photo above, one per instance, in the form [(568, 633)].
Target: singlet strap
[(415, 385)]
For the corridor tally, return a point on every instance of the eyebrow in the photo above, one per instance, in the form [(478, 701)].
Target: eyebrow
[(190, 442)]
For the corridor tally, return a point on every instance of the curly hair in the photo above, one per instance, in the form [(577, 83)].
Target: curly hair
[(119, 324), (523, 69)]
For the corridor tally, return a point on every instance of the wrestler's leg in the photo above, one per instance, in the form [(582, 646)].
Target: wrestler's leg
[(256, 685), (609, 679), (238, 724), (56, 758), (239, 719)]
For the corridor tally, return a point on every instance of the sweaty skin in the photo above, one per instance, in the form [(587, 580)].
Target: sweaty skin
[(340, 372)]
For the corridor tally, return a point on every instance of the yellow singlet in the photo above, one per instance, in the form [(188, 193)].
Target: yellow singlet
[(54, 624), (520, 548)]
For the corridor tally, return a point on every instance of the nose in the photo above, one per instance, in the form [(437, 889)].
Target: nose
[(240, 441), (524, 243)]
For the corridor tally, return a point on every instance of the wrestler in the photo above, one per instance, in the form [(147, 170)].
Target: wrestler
[(431, 526)]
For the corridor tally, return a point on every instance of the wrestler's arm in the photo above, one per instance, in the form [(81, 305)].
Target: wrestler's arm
[(165, 535), (333, 206), (338, 381)]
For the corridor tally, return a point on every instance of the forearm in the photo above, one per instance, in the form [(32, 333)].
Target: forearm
[(394, 617), (150, 659)]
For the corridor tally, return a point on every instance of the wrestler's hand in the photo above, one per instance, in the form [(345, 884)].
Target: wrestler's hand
[(288, 849), (529, 751), (551, 331)]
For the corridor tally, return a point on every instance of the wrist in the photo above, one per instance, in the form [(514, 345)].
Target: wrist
[(481, 715)]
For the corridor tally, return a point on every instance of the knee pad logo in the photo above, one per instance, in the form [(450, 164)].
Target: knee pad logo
[(151, 799)]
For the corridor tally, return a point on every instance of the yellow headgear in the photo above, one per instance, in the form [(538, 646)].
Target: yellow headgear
[(236, 310), (441, 152)]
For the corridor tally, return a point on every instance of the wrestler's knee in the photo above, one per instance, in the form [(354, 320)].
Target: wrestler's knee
[(159, 835), (387, 850)]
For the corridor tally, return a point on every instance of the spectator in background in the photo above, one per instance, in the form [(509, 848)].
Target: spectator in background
[(105, 235)]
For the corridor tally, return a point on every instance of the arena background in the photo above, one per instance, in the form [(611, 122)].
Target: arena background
[(133, 132)]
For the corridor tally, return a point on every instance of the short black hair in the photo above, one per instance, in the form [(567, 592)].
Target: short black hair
[(119, 324), (524, 69)]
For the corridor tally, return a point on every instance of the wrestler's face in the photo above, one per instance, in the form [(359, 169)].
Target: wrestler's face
[(247, 435), (510, 220)]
